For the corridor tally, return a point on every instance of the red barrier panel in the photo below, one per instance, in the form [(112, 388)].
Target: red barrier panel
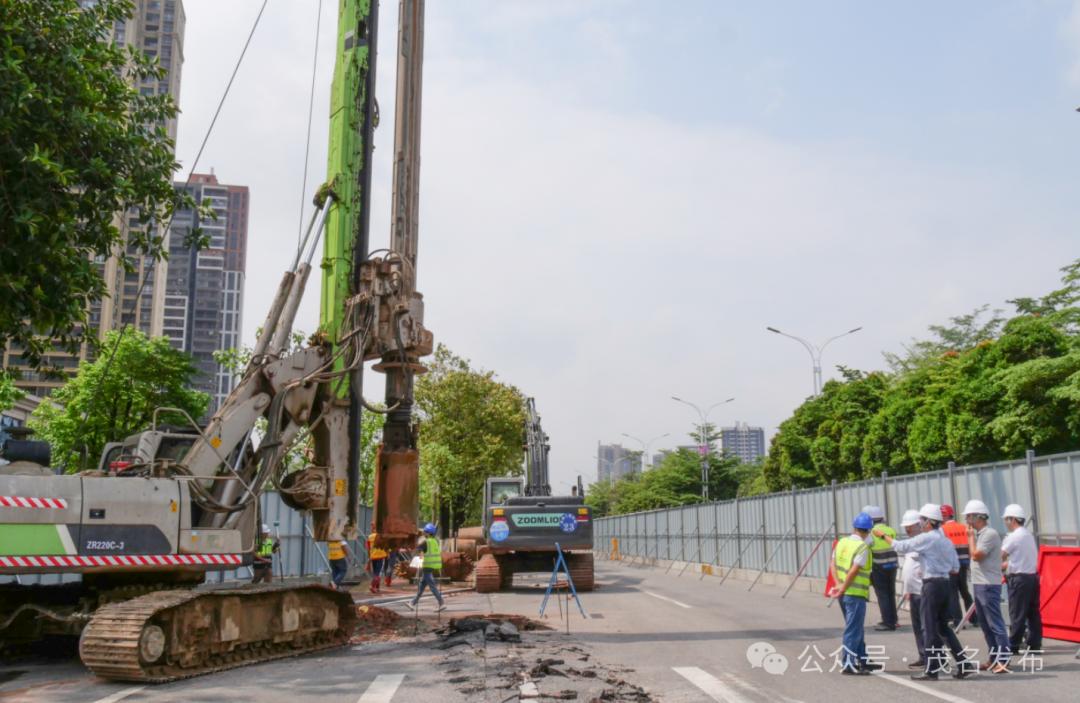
[(1059, 588)]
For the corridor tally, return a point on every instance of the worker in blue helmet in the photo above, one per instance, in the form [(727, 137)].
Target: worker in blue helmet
[(851, 563), (429, 548)]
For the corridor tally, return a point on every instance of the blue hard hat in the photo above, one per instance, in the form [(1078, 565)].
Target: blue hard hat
[(429, 529), (863, 521)]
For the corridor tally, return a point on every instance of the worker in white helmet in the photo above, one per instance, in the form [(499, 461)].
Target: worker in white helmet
[(911, 586), (1021, 556), (984, 548), (938, 559), (883, 575), (262, 567)]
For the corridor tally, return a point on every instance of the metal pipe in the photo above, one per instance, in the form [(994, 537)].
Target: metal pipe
[(806, 563), (774, 553), (739, 560)]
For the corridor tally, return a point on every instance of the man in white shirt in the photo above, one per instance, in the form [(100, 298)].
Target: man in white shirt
[(911, 586), (1021, 556)]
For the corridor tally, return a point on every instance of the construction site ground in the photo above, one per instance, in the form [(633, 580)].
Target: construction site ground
[(651, 635)]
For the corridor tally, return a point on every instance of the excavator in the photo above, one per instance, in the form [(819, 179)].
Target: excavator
[(170, 504), (523, 521)]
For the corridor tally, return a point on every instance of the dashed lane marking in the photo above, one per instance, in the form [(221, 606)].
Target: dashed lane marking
[(712, 686), (382, 689), (120, 695), (921, 688), (669, 600)]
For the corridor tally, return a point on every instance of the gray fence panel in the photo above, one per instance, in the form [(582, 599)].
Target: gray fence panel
[(729, 540), (751, 516), (1057, 481), (997, 485), (853, 497), (815, 513), (779, 552)]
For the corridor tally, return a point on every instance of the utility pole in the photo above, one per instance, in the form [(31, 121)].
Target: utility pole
[(703, 448), (814, 351), (645, 447)]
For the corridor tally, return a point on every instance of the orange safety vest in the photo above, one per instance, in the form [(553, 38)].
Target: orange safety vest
[(957, 534)]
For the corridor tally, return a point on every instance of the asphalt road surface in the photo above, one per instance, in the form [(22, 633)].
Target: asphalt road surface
[(678, 638)]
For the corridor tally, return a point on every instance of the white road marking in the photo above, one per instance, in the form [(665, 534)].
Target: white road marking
[(928, 690), (669, 600), (382, 689), (712, 686), (120, 695)]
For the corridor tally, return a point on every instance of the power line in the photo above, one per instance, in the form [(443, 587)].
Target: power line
[(310, 110)]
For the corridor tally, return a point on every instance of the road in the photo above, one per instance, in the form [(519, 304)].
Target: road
[(680, 638)]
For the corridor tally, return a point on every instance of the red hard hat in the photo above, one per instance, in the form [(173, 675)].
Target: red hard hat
[(947, 512)]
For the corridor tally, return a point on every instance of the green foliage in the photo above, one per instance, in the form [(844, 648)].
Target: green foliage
[(675, 481), (9, 394), (977, 392), (472, 428), (145, 374), (81, 147)]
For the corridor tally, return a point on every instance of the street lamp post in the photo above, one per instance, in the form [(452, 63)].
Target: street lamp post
[(613, 463), (645, 446), (814, 351), (704, 448)]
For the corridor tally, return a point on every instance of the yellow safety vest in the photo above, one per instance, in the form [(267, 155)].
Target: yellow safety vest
[(335, 550), (432, 555), (266, 549), (884, 554), (373, 551), (846, 549)]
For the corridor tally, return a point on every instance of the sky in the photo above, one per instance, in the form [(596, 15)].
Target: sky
[(617, 197)]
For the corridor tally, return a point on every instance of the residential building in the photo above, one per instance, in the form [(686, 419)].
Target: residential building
[(204, 290), (614, 461), (157, 27), (745, 442)]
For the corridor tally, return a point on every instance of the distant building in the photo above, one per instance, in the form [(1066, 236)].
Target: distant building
[(204, 290), (614, 461), (658, 458), (742, 441)]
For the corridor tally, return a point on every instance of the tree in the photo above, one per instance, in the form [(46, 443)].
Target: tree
[(979, 391), (472, 427), (107, 402), (9, 394), (81, 146)]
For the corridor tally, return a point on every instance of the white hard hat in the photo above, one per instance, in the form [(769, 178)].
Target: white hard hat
[(976, 507), (1014, 510), (874, 511), (931, 511), (266, 528), (911, 517)]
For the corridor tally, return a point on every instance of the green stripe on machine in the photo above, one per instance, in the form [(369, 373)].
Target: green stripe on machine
[(17, 540)]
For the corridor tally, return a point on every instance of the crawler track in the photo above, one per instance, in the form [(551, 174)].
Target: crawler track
[(172, 635)]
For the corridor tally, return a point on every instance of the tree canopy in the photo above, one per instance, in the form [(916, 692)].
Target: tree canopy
[(472, 427), (979, 390), (82, 147), (117, 399)]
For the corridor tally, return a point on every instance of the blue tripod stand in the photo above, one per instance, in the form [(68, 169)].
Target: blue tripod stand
[(560, 564)]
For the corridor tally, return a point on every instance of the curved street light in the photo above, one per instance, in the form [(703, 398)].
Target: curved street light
[(814, 351), (645, 446), (704, 447)]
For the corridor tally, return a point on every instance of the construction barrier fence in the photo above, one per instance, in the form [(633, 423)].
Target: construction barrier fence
[(779, 532)]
